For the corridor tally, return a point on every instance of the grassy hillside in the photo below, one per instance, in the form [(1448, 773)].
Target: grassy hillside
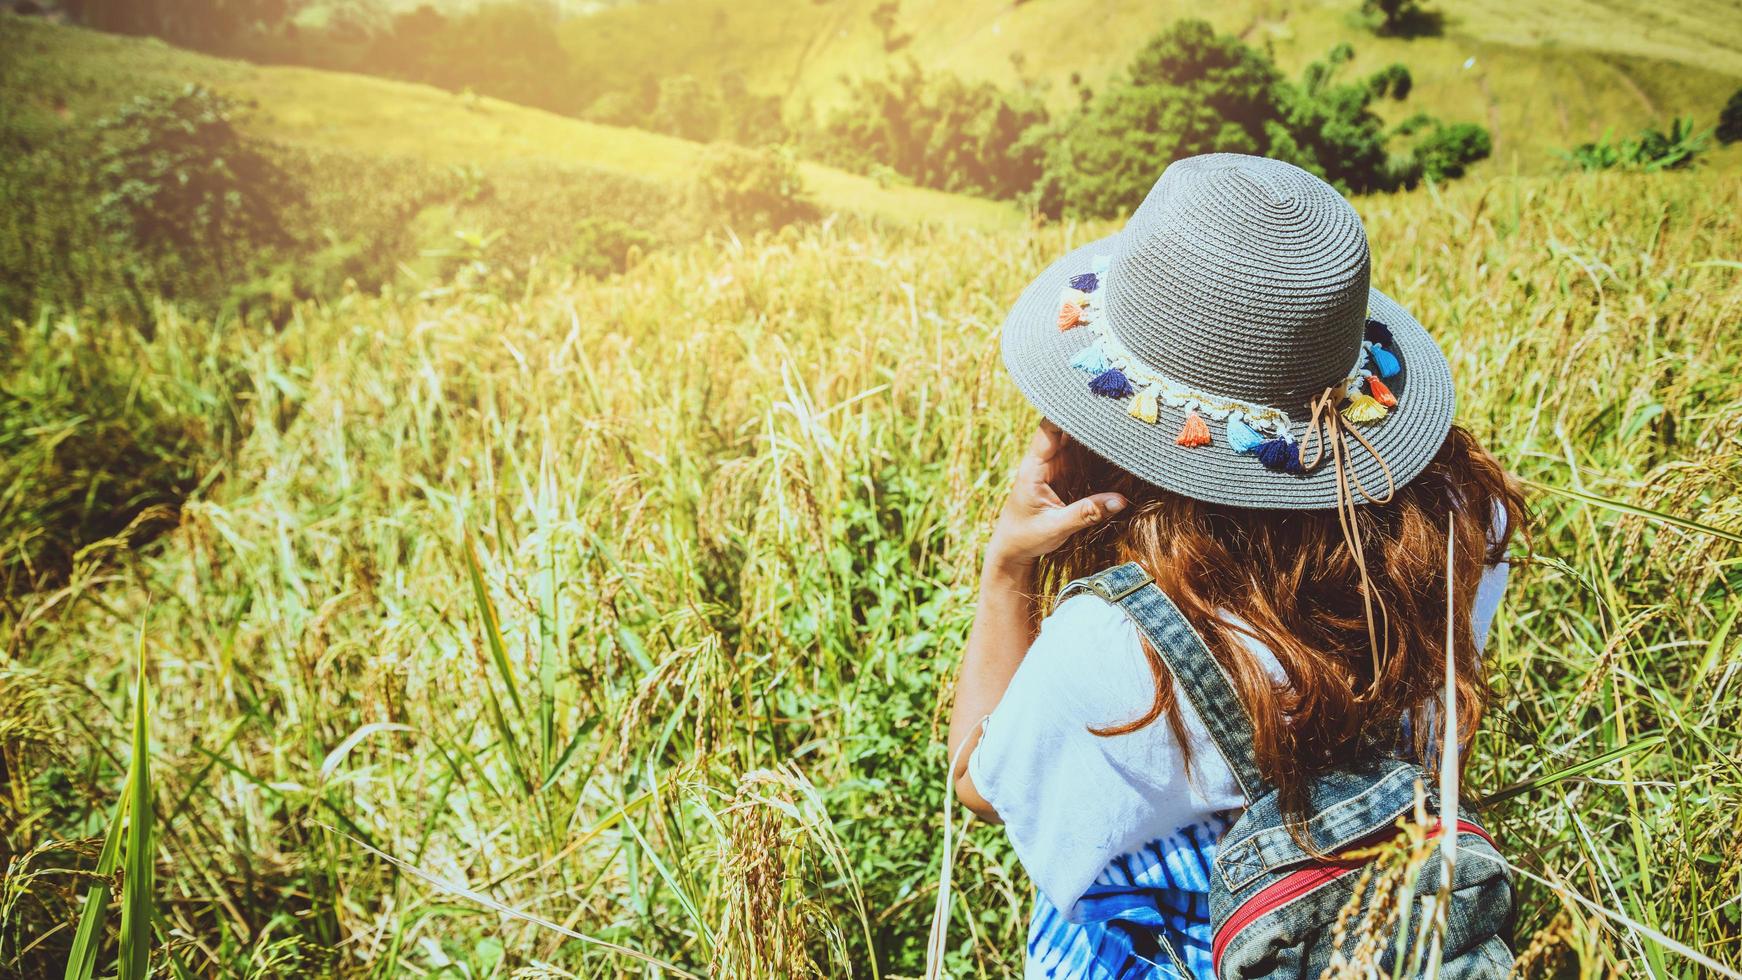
[(1542, 75), (629, 605), (67, 74)]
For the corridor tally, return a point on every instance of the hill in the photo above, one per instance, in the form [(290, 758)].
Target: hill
[(1542, 75), (65, 76), (630, 604)]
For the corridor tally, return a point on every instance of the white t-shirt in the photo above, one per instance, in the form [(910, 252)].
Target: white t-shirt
[(1073, 801)]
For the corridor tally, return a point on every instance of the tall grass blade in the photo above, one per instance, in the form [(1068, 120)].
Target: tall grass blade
[(492, 626), (139, 866), (1570, 772), (499, 657), (1622, 506), (82, 960), (1714, 650)]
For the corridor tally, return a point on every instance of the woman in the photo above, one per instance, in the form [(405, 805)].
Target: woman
[(1231, 407)]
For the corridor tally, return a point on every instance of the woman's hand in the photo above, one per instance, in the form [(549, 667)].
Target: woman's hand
[(1034, 521)]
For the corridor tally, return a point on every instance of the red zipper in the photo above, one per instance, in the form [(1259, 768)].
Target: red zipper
[(1295, 884)]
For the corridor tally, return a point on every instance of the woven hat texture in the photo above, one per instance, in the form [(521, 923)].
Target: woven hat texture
[(1245, 278)]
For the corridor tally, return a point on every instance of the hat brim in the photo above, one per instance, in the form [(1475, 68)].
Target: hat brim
[(1038, 355)]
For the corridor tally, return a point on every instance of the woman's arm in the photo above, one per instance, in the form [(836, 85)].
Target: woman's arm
[(1033, 522)]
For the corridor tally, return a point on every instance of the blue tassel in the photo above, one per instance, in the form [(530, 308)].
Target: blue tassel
[(1242, 438), (1384, 362), (1087, 282), (1379, 333), (1091, 359), (1112, 383), (1279, 455)]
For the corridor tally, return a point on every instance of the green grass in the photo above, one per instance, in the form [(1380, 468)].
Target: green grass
[(606, 620), (68, 75), (1546, 75)]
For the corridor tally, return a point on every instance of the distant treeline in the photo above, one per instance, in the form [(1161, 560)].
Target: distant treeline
[(1189, 91)]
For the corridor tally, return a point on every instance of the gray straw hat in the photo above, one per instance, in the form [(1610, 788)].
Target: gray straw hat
[(1192, 347)]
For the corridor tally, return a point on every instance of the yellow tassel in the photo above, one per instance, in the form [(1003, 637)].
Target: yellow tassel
[(1363, 408), (1144, 406)]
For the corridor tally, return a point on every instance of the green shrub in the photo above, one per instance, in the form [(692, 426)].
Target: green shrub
[(178, 177), (603, 246), (1650, 151), (751, 189), (939, 131), (180, 188), (1447, 150)]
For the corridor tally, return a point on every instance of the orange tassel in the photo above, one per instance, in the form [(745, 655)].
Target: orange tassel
[(1070, 315), (1380, 392), (1194, 432)]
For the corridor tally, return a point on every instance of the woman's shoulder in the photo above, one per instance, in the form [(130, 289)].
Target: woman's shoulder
[(1090, 649)]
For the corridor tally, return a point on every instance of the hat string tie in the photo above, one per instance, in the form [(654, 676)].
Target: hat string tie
[(1328, 427)]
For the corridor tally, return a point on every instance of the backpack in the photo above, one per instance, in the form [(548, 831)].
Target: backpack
[(1273, 905)]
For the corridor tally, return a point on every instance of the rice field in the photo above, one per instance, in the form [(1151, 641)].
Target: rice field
[(558, 627)]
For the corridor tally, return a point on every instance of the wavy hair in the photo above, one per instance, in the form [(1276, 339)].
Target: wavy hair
[(1288, 579)]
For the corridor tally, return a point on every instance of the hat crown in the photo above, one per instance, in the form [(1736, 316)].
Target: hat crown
[(1242, 276)]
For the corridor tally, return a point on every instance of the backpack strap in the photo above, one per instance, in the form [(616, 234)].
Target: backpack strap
[(1193, 667)]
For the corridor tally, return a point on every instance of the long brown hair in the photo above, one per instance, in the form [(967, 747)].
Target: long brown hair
[(1290, 580)]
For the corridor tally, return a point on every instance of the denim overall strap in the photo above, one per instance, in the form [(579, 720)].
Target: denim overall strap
[(1193, 667)]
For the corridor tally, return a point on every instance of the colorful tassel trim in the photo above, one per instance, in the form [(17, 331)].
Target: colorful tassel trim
[(1261, 431), (1145, 406), (1363, 408), (1242, 438), (1194, 432), (1279, 455), (1070, 315), (1381, 393), (1384, 362), (1090, 359), (1112, 383)]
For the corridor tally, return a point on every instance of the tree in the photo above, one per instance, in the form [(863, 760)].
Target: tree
[(507, 50), (687, 108), (1187, 92), (886, 17), (1191, 91), (1730, 120), (1402, 18), (938, 131)]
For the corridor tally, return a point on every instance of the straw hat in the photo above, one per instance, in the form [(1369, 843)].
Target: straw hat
[(1226, 343)]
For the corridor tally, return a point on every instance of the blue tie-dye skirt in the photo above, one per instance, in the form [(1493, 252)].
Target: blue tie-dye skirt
[(1143, 904)]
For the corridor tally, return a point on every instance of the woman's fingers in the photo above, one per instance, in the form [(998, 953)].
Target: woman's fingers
[(1061, 523), (1035, 520), (1092, 510)]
